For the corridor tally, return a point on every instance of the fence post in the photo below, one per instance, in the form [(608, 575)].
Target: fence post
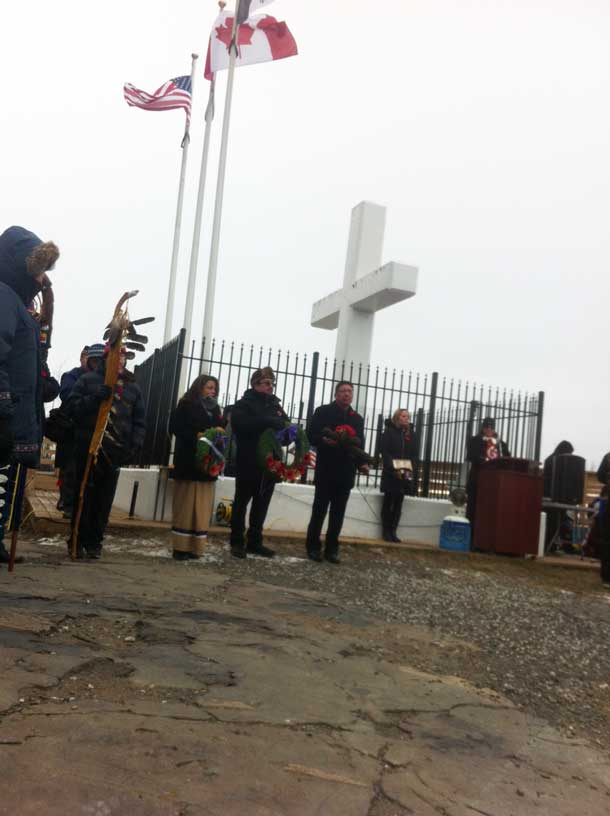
[(474, 405), (429, 435), (379, 433), (313, 382), (175, 393), (539, 418)]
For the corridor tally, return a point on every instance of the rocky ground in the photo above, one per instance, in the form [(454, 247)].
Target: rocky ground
[(396, 683)]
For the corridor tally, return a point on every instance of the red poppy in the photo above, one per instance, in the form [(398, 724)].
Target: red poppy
[(345, 429)]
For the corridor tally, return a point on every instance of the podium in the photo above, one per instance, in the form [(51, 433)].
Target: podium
[(509, 501)]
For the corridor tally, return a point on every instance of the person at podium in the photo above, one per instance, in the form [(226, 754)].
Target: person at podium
[(485, 447)]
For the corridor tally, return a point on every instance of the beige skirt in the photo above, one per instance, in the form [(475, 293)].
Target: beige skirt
[(191, 514)]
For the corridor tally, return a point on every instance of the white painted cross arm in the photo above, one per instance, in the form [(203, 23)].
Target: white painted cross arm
[(390, 284)]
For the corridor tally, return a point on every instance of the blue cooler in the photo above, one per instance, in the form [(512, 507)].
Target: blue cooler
[(455, 534)]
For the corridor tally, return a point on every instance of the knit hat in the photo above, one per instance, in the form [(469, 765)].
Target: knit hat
[(96, 350), (488, 422), (262, 374)]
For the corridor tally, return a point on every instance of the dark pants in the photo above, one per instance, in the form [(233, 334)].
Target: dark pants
[(256, 487), (67, 490), (325, 496), (391, 509), (98, 498), (14, 492), (604, 549)]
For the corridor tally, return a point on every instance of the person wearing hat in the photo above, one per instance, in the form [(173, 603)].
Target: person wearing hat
[(482, 448), (64, 452), (24, 263), (258, 410), (121, 444)]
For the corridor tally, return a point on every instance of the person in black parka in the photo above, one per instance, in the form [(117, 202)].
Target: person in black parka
[(121, 445), (335, 471), (193, 499), (24, 262), (397, 443), (258, 410)]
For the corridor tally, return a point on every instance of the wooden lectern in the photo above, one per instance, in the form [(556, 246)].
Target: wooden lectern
[(509, 502)]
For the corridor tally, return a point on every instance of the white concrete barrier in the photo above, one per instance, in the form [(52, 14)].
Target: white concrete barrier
[(290, 507)]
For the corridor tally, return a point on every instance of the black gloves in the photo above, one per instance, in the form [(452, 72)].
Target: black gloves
[(6, 442), (277, 423), (102, 392)]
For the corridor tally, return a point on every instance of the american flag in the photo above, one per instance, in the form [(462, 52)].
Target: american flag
[(175, 93)]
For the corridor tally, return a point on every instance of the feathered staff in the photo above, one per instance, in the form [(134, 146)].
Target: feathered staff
[(120, 334)]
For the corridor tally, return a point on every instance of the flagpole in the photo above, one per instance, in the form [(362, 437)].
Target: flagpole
[(171, 292), (210, 292), (192, 279)]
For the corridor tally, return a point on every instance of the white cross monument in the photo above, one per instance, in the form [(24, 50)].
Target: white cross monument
[(368, 287)]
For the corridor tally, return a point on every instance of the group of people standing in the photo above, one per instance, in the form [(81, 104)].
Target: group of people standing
[(258, 411), (26, 384)]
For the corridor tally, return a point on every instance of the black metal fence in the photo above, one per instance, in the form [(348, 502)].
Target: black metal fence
[(445, 412), (158, 377)]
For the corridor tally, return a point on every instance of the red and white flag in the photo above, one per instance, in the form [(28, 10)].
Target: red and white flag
[(173, 94), (260, 39)]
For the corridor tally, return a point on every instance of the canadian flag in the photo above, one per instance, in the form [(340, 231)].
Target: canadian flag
[(260, 39)]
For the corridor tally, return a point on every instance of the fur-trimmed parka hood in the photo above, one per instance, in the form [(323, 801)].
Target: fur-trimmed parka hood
[(23, 256)]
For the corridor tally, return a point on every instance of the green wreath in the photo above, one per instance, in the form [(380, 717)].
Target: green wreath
[(270, 453)]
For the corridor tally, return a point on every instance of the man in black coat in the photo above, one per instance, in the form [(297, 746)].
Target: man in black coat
[(335, 472), (121, 446), (24, 262), (258, 410), (603, 475)]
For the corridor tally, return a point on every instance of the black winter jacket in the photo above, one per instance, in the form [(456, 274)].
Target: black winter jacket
[(20, 360), (397, 443), (187, 420), (251, 415), (334, 466), (127, 425)]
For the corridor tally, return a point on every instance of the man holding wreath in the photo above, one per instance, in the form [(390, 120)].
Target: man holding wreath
[(337, 432), (257, 411)]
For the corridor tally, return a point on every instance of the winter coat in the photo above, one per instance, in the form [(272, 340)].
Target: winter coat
[(334, 465), (603, 472), (68, 381), (128, 415), (250, 417), (187, 420), (397, 443), (20, 360)]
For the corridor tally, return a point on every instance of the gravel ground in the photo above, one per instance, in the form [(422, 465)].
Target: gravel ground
[(539, 635)]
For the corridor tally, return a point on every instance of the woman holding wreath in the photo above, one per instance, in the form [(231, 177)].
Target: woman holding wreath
[(196, 412), (398, 450)]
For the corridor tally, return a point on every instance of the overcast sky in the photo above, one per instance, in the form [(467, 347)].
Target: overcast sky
[(482, 126)]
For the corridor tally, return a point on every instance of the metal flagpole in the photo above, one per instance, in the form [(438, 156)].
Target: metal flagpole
[(169, 311), (208, 315), (192, 280)]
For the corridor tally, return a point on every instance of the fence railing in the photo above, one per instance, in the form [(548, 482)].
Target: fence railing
[(445, 412)]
